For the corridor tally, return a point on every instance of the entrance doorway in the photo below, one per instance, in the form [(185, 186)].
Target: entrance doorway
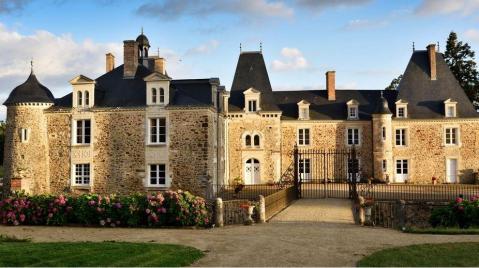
[(451, 170), (252, 171)]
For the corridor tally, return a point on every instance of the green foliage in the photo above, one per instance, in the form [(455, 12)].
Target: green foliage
[(461, 213), (104, 254), (443, 231), (394, 83), (162, 209), (460, 58), (425, 255)]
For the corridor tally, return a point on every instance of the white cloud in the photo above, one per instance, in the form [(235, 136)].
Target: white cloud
[(472, 35), (293, 60), (320, 5), (362, 24), (446, 7), (205, 48)]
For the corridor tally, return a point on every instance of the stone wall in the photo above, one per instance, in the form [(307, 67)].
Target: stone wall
[(27, 160), (59, 140)]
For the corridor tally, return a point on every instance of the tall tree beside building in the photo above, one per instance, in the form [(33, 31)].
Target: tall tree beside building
[(460, 58), (394, 83)]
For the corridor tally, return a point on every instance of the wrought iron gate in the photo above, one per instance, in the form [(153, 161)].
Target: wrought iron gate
[(326, 173)]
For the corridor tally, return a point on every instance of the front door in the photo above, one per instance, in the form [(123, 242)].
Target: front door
[(402, 170), (451, 170), (252, 171)]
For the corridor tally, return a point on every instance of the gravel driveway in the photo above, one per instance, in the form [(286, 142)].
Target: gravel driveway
[(278, 243)]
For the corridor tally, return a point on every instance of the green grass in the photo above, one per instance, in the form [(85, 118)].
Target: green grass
[(448, 254), (7, 238), (90, 254), (443, 231)]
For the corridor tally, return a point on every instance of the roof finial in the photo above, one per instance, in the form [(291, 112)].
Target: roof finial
[(158, 51), (413, 48), (141, 29), (438, 49), (31, 66), (261, 47), (381, 93), (240, 47)]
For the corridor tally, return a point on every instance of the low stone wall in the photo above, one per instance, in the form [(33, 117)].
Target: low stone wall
[(417, 214)]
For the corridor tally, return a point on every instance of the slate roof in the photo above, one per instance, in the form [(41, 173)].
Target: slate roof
[(111, 90), (30, 91), (425, 97), (251, 72)]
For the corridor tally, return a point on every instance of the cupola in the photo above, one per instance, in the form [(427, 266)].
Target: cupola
[(143, 45)]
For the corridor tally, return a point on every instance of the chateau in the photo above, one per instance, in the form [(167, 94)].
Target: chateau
[(136, 129)]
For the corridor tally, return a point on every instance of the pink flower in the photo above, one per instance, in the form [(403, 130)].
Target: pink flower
[(50, 215), (22, 217), (459, 200), (16, 222), (147, 211)]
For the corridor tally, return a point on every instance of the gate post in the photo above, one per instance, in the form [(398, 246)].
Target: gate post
[(296, 172), (353, 194)]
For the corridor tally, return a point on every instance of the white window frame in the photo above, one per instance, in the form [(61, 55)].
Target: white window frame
[(82, 134), (158, 134), (83, 174), (358, 174), (356, 141), (408, 168), (149, 177), (161, 95), (154, 95), (24, 135), (449, 103), (304, 113), (252, 105), (405, 112), (86, 96), (457, 136), (302, 141), (353, 112), (404, 137), (304, 164), (79, 98)]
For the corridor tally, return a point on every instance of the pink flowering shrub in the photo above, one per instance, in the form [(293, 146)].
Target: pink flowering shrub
[(160, 209), (461, 212)]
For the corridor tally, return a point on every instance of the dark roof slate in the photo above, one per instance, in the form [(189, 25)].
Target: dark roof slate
[(425, 97), (30, 91)]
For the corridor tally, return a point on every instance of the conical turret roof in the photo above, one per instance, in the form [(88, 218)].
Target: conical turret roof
[(30, 91)]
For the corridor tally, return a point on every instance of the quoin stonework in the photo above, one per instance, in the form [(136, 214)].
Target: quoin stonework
[(136, 129)]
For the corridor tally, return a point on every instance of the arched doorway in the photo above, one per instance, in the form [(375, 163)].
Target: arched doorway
[(252, 172)]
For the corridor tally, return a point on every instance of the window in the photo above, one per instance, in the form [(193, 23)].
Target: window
[(87, 98), (451, 136), (157, 130), (83, 131), (303, 136), (401, 167), (153, 95), (353, 112), (383, 131), (82, 174), (401, 137), (450, 111), (162, 95), (248, 140), (385, 165), (79, 98), (305, 169), (252, 105), (24, 134), (157, 174), (256, 140), (304, 113), (353, 136), (401, 112)]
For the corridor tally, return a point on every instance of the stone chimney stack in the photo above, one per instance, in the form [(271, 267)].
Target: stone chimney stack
[(431, 52), (331, 85), (130, 58), (160, 65), (110, 62)]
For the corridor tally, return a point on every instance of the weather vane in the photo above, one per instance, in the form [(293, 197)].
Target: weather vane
[(260, 46), (31, 65)]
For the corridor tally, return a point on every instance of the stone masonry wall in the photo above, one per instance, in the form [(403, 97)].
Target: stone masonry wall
[(59, 137)]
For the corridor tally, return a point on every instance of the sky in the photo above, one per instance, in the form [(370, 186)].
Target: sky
[(367, 42)]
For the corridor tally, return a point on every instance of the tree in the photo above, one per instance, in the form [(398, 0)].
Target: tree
[(395, 83), (460, 59)]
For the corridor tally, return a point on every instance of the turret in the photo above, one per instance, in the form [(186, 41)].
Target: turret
[(382, 140), (26, 145)]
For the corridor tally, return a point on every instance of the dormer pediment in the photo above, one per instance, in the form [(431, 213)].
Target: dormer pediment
[(450, 101), (401, 101), (156, 77), (303, 103), (251, 91), (352, 102), (81, 79)]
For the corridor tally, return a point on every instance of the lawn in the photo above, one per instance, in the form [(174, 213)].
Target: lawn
[(448, 254), (90, 254), (443, 231)]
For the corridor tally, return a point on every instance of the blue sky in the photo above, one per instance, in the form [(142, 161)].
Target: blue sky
[(367, 42)]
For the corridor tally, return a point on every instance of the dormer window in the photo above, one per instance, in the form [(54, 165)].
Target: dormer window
[(401, 109), (80, 98), (450, 108), (303, 110), (87, 98), (83, 92), (353, 111), (154, 95), (157, 86), (162, 95), (252, 98)]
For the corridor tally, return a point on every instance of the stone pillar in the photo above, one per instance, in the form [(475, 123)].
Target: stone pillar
[(362, 216), (219, 213), (262, 210)]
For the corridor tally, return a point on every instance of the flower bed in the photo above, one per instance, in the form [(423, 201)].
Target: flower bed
[(462, 213), (162, 209)]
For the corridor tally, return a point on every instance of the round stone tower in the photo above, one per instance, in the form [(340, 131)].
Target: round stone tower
[(26, 140), (382, 141)]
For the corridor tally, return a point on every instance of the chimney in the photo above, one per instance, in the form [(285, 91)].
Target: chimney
[(110, 62), (160, 65), (331, 85), (431, 52), (130, 58)]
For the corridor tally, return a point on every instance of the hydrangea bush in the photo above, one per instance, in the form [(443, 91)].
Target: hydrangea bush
[(462, 213), (169, 208)]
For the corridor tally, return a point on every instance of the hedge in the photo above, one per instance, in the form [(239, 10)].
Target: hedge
[(170, 208), (461, 213)]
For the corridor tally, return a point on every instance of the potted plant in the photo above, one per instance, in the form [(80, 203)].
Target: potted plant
[(248, 213), (434, 180)]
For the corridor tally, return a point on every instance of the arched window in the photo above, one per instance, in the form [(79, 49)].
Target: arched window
[(153, 95), (79, 98), (256, 140), (87, 98), (162, 95), (248, 140)]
